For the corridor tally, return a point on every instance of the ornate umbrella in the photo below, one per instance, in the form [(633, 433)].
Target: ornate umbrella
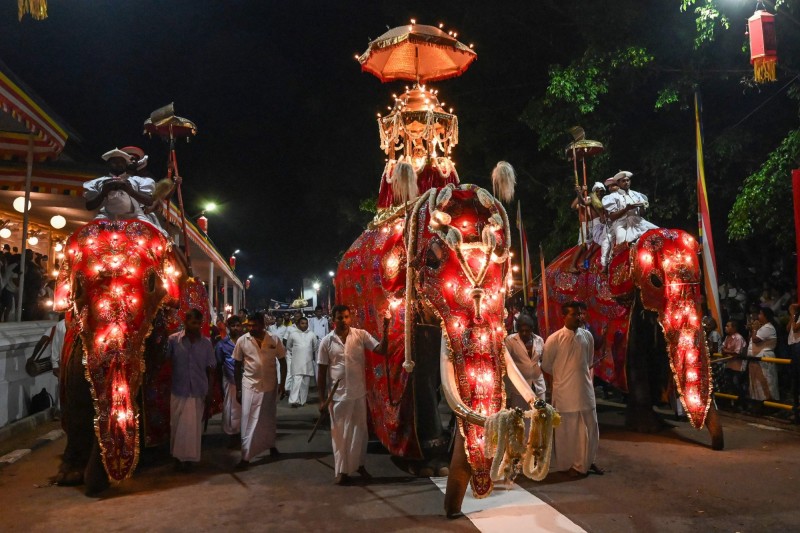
[(416, 52)]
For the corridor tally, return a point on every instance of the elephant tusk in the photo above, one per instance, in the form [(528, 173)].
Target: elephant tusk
[(450, 389), (517, 379)]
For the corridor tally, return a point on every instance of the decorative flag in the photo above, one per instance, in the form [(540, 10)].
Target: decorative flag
[(704, 221), (796, 197), (524, 259)]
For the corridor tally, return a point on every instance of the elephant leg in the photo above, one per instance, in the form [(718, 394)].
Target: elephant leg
[(457, 479), (95, 476), (78, 418), (714, 426)]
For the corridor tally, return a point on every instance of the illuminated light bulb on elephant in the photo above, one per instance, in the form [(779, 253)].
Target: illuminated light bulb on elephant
[(691, 375), (59, 247), (449, 285), (646, 257), (392, 262), (60, 256), (665, 263), (464, 224)]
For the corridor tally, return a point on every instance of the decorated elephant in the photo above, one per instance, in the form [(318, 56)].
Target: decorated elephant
[(440, 264), (122, 289), (656, 281)]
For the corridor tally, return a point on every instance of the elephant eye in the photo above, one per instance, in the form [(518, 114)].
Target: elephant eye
[(151, 282), (433, 259)]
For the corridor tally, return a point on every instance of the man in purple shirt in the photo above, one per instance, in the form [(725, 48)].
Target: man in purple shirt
[(192, 359), (231, 409)]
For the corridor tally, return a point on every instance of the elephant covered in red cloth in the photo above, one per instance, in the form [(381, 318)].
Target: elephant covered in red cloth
[(122, 289), (440, 264), (658, 274)]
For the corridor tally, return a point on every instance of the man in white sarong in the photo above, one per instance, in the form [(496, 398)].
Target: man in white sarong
[(192, 358), (231, 408), (291, 326), (525, 348), (341, 354), (568, 355), (625, 210), (319, 323), (257, 354), (303, 344), (121, 196)]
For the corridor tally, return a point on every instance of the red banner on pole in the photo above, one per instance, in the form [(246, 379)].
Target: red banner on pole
[(796, 197)]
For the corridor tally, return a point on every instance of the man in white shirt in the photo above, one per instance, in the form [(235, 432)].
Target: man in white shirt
[(303, 344), (257, 387), (525, 348), (121, 196), (319, 324), (341, 354), (567, 356), (625, 209)]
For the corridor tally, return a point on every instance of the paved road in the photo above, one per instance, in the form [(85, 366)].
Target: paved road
[(666, 482)]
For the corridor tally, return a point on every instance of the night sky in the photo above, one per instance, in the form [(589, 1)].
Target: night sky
[(287, 142)]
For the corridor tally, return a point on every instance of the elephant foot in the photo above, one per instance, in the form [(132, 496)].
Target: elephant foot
[(95, 475), (643, 421), (69, 475), (457, 479), (714, 426)]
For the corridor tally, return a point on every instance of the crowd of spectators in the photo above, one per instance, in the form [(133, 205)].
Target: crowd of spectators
[(758, 323), (38, 287)]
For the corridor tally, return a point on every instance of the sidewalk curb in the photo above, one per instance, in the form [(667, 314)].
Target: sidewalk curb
[(29, 423)]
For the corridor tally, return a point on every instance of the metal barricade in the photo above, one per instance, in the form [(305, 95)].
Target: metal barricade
[(794, 380)]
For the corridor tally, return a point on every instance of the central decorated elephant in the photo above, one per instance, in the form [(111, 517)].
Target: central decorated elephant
[(440, 264), (121, 287), (655, 282)]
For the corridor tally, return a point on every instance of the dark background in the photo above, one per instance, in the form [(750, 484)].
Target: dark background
[(287, 142)]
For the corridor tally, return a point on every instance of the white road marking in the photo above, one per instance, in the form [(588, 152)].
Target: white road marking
[(513, 509), (14, 456), (762, 426)]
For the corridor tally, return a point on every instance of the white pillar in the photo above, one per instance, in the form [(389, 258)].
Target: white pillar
[(211, 291), (225, 292)]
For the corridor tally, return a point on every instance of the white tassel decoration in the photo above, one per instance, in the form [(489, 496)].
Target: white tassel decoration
[(404, 183), (504, 179)]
